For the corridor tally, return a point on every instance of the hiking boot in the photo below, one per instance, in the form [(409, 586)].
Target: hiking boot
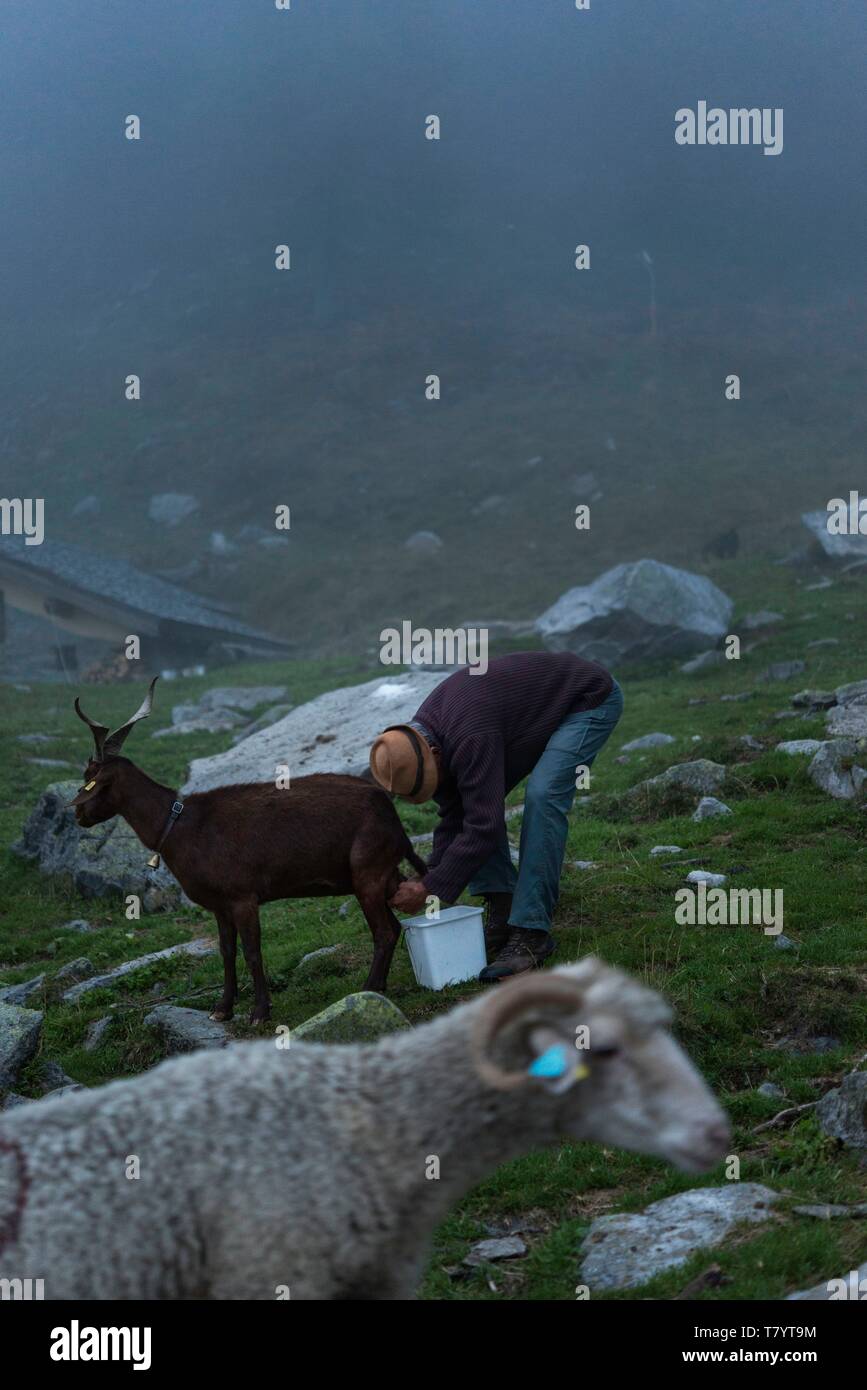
[(525, 949), (497, 929)]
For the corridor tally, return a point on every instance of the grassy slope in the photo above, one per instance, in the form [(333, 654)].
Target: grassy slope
[(733, 992)]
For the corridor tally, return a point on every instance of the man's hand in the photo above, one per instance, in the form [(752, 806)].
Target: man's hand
[(410, 897)]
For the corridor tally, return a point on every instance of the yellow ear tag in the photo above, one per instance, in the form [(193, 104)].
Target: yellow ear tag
[(89, 786), (581, 1071)]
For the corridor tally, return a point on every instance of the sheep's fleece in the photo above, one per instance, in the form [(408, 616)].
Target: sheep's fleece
[(262, 1171)]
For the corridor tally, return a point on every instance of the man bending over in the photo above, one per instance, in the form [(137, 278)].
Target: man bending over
[(542, 715)]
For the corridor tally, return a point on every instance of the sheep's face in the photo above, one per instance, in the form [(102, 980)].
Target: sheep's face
[(592, 1046), (644, 1094), (97, 800)]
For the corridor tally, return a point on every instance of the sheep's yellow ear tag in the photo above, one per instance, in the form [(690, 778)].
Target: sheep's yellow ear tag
[(154, 861), (89, 786)]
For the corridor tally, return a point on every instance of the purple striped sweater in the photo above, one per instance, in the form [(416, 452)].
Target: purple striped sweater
[(491, 730)]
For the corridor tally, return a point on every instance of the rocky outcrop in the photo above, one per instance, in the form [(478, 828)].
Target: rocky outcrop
[(106, 860), (20, 1031), (840, 768), (638, 611), (624, 1250), (332, 733)]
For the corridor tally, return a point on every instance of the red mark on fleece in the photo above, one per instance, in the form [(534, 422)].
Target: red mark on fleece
[(10, 1220)]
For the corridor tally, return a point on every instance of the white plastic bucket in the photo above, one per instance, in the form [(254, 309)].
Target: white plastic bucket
[(448, 949)]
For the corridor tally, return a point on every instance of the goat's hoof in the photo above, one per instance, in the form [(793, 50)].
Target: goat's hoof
[(221, 1015), (259, 1016)]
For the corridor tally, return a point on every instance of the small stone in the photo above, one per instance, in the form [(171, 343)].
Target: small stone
[(842, 1113), (666, 849), (705, 661), (796, 747), (321, 954), (704, 876), (702, 777), (738, 699), (584, 864), (784, 943), (423, 543), (765, 617), (783, 670), (709, 807), (502, 1248), (814, 699), (752, 743), (96, 1031), (771, 1090), (826, 1211), (186, 1030), (837, 768), (79, 969), (52, 1077), (824, 642), (19, 994), (647, 741), (77, 924), (20, 1031), (809, 1047)]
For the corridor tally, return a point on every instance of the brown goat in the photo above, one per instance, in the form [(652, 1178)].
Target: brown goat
[(236, 847)]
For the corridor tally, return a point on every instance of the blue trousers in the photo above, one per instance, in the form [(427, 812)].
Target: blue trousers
[(547, 803)]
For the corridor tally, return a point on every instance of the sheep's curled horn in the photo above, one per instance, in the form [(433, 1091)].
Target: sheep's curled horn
[(109, 744), (507, 1004)]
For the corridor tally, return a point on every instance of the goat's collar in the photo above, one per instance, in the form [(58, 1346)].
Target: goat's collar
[(177, 808)]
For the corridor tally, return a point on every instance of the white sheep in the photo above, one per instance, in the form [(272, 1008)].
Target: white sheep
[(321, 1172)]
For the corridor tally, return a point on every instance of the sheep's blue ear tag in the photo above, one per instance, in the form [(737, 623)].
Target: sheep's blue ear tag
[(555, 1067)]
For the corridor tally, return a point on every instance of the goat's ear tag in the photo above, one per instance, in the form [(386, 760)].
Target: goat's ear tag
[(154, 861), (89, 786)]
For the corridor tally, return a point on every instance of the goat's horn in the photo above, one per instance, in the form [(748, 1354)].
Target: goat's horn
[(114, 742), (99, 731), (507, 1004)]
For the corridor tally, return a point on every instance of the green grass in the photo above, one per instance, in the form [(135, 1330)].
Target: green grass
[(734, 994)]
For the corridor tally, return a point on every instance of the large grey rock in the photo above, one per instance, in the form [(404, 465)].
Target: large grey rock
[(814, 699), (20, 994), (624, 1250), (20, 1031), (332, 733), (171, 508), (844, 1286), (842, 1113), (360, 1017), (201, 947), (702, 776), (835, 547), (184, 1030), (637, 611), (796, 747), (840, 768), (105, 861)]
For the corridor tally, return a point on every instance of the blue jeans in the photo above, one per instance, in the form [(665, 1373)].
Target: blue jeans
[(547, 803)]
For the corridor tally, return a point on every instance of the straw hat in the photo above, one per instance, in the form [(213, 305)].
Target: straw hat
[(402, 762)]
